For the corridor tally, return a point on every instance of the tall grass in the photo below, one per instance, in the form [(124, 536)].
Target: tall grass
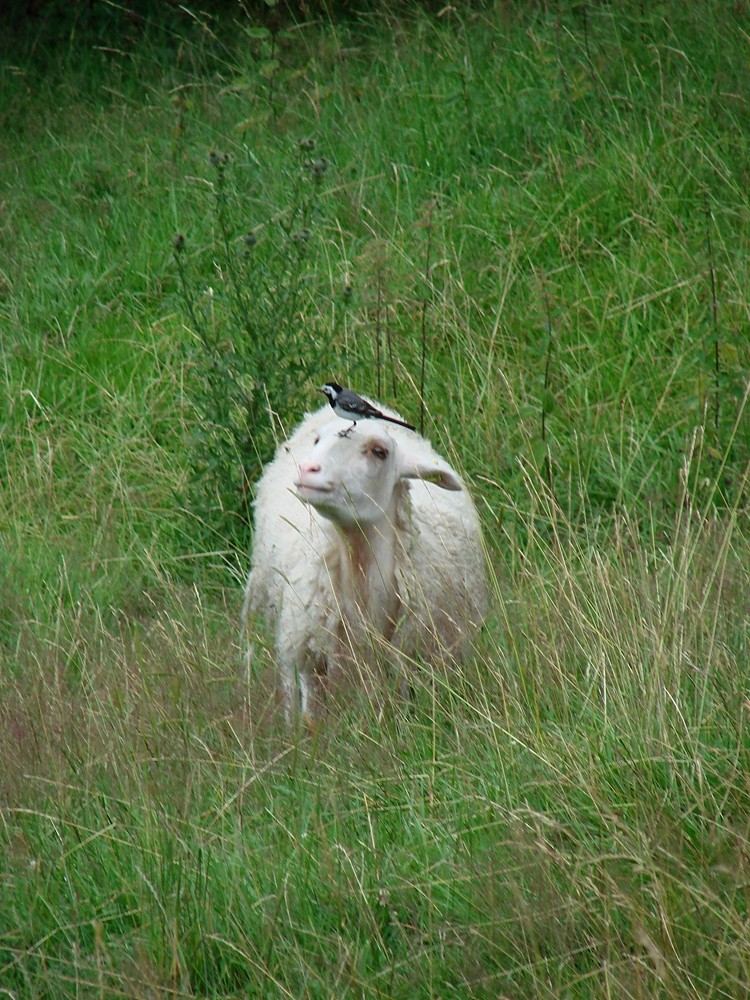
[(534, 238)]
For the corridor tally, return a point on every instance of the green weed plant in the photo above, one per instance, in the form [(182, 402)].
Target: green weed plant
[(256, 347)]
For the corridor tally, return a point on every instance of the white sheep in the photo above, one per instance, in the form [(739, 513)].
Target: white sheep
[(362, 541)]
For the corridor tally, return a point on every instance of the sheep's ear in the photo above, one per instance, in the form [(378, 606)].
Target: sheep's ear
[(445, 478)]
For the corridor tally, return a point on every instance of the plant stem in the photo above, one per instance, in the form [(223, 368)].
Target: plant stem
[(378, 331), (545, 388), (714, 313), (425, 303)]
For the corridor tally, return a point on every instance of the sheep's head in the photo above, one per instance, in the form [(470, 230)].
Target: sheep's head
[(353, 479)]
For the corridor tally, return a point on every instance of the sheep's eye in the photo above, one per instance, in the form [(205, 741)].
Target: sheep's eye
[(317, 438), (381, 453)]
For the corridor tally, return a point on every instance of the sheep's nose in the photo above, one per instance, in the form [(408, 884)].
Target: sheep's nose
[(309, 467)]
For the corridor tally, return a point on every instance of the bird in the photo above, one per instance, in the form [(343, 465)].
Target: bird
[(348, 405)]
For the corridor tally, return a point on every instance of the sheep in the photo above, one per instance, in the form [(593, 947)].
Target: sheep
[(361, 540)]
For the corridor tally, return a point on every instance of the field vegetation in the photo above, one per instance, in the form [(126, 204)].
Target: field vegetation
[(527, 227)]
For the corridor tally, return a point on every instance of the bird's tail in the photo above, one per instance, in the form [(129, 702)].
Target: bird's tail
[(401, 423)]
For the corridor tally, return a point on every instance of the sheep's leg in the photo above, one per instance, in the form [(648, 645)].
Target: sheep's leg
[(304, 690), (306, 699), (291, 690)]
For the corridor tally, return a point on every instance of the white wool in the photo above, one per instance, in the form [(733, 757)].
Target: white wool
[(367, 549)]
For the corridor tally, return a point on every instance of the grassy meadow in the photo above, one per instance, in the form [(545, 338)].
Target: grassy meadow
[(527, 227)]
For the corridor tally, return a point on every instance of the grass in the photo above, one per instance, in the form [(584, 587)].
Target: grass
[(533, 235)]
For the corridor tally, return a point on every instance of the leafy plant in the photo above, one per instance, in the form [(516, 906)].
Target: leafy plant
[(256, 342)]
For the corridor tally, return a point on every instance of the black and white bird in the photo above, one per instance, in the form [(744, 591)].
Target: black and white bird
[(350, 406)]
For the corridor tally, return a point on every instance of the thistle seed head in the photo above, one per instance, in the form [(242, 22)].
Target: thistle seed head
[(218, 160)]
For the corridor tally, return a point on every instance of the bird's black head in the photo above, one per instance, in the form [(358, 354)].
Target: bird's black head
[(331, 389)]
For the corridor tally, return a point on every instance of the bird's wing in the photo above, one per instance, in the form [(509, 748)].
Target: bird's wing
[(359, 405)]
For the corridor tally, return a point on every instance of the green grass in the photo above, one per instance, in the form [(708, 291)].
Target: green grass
[(542, 215)]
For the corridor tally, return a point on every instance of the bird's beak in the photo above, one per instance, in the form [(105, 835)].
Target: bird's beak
[(320, 389)]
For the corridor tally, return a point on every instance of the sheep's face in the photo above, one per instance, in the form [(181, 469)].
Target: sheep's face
[(353, 478)]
